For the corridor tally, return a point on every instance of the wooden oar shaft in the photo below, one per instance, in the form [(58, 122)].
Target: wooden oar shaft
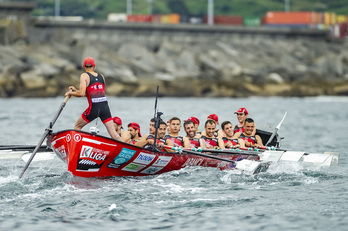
[(235, 151), (200, 154), (46, 133)]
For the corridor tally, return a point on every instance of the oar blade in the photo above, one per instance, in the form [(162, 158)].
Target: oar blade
[(273, 156), (323, 159), (33, 154), (251, 167)]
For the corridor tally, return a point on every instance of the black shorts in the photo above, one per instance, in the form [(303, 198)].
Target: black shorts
[(96, 110)]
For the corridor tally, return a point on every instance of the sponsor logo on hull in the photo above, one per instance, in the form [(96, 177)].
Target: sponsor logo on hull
[(193, 162), (91, 159), (124, 156), (158, 165), (142, 160)]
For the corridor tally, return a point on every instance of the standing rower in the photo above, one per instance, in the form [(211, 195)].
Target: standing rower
[(92, 85)]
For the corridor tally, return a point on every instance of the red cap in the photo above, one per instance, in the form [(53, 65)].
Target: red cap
[(242, 110), (117, 120), (193, 119), (89, 61), (214, 117), (135, 126)]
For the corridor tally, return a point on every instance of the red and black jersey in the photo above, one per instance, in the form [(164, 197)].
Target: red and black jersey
[(211, 141), (233, 141), (238, 129), (95, 92), (251, 139), (134, 141), (195, 142), (177, 141), (98, 104), (158, 141)]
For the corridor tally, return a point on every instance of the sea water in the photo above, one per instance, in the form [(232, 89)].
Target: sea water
[(289, 196)]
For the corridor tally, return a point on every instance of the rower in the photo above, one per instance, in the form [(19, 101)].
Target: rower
[(195, 120), (230, 139), (242, 114), (134, 131), (160, 140), (175, 126), (211, 141), (152, 130), (92, 85), (125, 135), (147, 140), (217, 132), (190, 129), (248, 137)]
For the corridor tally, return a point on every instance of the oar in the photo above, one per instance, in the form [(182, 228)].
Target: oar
[(249, 166), (276, 130), (236, 151), (20, 147), (48, 130)]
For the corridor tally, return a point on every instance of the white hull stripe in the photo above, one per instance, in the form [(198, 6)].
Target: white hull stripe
[(96, 142)]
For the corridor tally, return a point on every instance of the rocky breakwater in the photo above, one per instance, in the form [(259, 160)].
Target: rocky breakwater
[(244, 67)]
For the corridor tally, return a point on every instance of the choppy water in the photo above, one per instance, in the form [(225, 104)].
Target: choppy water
[(290, 196)]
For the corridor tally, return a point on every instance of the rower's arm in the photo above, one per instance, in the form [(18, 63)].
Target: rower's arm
[(169, 143), (84, 81), (221, 143), (241, 142), (258, 140), (202, 143), (236, 135), (142, 142), (186, 142), (221, 133), (125, 136)]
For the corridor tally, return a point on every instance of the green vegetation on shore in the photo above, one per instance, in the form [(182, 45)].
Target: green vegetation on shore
[(101, 8)]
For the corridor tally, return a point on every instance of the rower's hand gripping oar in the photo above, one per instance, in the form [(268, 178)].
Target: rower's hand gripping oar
[(275, 130), (48, 131)]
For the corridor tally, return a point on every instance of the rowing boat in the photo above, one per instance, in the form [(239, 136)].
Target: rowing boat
[(91, 155)]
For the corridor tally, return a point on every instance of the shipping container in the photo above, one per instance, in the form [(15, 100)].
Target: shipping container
[(321, 17), (226, 20), (174, 18), (330, 18), (156, 18), (164, 18), (252, 21), (288, 18), (139, 18), (115, 17), (341, 19)]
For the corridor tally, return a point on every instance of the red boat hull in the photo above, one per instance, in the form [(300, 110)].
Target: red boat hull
[(89, 155)]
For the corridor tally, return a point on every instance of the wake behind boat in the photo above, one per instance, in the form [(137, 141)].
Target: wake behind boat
[(90, 155)]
